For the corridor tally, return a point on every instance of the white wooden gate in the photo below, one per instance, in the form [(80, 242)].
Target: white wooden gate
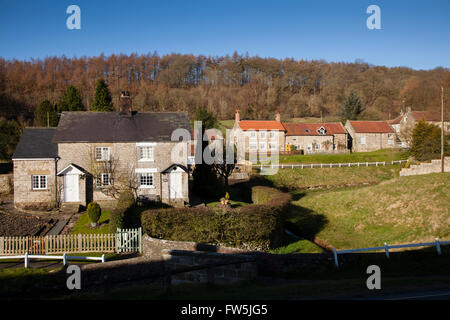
[(129, 240)]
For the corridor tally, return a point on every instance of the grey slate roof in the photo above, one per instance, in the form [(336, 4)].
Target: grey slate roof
[(36, 143), (112, 127)]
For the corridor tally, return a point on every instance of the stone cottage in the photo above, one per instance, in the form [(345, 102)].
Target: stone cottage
[(316, 137), (406, 121), (370, 135), (92, 156), (254, 136)]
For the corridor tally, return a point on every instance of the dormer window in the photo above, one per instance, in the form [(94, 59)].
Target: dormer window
[(307, 130), (321, 131)]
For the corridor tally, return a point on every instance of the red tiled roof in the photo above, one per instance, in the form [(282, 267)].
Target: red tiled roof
[(261, 125), (371, 127), (311, 129)]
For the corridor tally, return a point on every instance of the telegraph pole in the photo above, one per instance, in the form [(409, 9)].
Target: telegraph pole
[(442, 130)]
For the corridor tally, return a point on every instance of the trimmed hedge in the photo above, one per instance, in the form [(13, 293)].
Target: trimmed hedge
[(256, 226)]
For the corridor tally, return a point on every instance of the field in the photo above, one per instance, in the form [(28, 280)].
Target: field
[(373, 156), (325, 178), (401, 210)]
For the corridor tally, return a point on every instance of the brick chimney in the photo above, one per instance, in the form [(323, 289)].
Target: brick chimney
[(278, 117), (125, 103), (237, 117)]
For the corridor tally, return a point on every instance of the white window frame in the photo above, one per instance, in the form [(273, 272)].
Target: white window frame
[(151, 179), (253, 146), (390, 141), (100, 180), (317, 146), (272, 135), (146, 159), (105, 153), (309, 147), (363, 139), (272, 146), (262, 135), (41, 183), (262, 144)]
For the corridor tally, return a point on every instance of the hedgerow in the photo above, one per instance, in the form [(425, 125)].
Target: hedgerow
[(256, 226)]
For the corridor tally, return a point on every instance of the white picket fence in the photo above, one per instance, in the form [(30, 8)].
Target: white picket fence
[(328, 165), (386, 248), (124, 240), (65, 258)]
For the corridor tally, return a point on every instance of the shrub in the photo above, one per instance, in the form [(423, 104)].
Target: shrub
[(126, 200), (426, 142), (94, 212), (125, 215), (257, 226), (116, 220)]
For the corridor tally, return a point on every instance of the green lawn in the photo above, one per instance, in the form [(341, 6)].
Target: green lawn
[(299, 179), (402, 210), (374, 156), (83, 225)]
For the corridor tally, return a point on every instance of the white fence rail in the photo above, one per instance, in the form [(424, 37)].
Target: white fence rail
[(125, 240), (65, 258), (386, 248), (328, 165)]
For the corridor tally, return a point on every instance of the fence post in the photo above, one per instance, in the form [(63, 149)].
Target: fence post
[(367, 164), (438, 246), (386, 248), (335, 258), (103, 258), (64, 259), (26, 259)]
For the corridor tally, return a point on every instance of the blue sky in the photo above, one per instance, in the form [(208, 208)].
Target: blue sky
[(415, 34)]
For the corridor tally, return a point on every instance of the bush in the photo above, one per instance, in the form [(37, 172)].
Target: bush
[(426, 142), (94, 212), (257, 226), (125, 215), (116, 220)]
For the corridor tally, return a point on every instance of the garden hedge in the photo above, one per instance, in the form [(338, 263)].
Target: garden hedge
[(256, 226)]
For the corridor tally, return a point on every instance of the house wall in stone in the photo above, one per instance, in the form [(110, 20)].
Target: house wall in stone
[(374, 141), (124, 159), (24, 195)]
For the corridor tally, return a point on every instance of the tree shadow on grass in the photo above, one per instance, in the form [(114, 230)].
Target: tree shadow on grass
[(302, 222)]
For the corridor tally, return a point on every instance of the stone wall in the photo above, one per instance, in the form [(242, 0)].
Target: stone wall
[(426, 167), (339, 141), (24, 196), (6, 183), (223, 268)]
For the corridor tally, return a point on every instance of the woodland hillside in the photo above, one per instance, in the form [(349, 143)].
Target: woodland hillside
[(257, 86)]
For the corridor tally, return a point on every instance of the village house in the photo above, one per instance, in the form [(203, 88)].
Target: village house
[(316, 137), (259, 135), (405, 122), (370, 135), (92, 156)]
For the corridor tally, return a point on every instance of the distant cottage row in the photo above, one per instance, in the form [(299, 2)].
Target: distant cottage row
[(328, 137)]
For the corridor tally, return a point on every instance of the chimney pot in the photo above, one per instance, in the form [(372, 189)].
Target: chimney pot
[(237, 117)]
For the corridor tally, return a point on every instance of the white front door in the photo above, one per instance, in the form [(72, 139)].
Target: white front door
[(175, 186), (71, 193)]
